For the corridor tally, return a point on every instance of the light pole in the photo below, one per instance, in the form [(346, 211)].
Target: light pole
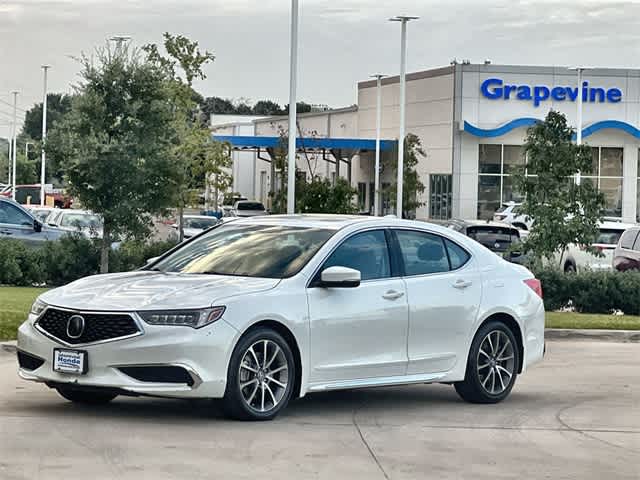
[(44, 134), (403, 85), (9, 172), (119, 40), (13, 151), (376, 189), (579, 70), (293, 71)]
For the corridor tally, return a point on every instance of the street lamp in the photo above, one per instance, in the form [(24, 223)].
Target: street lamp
[(376, 198), (13, 140), (403, 71), (579, 70), (44, 134), (293, 70), (119, 40)]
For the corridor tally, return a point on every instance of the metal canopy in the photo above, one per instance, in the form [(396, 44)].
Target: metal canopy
[(239, 142)]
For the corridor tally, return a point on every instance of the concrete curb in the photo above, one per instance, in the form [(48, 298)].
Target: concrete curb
[(8, 347), (619, 336)]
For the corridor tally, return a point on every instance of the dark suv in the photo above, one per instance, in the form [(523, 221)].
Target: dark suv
[(18, 223), (627, 253)]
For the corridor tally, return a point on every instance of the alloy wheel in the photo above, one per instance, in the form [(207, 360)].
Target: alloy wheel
[(496, 362), (263, 375)]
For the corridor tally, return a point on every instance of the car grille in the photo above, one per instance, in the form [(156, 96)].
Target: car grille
[(97, 326)]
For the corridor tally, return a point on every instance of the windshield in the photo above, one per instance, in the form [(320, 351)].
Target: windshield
[(609, 236), (200, 223), (248, 250), (496, 239), (81, 220), (41, 215), (250, 206)]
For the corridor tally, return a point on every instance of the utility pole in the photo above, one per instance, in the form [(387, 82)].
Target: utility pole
[(44, 135), (14, 148), (403, 96), (120, 40)]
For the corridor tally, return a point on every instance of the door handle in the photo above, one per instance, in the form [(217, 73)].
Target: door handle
[(461, 284), (392, 295)]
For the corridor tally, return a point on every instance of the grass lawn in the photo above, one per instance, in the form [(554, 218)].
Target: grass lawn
[(592, 321), (14, 307), (16, 301)]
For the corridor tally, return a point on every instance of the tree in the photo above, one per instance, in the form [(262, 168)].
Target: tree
[(301, 107), (115, 142), (267, 107), (196, 156), (319, 196), (412, 186), (563, 211), (217, 105), (58, 104)]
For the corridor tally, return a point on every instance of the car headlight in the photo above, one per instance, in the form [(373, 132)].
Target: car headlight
[(38, 307), (186, 318)]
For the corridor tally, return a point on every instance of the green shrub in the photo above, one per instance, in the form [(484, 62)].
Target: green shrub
[(591, 291), (19, 264), (69, 258)]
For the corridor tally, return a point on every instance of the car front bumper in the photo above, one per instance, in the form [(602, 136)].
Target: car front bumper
[(203, 353)]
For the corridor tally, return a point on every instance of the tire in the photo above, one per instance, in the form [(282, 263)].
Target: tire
[(570, 268), (489, 379), (259, 390), (85, 397)]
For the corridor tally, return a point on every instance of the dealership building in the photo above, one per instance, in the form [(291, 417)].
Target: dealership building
[(472, 121)]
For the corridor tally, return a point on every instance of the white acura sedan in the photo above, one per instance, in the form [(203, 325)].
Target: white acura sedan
[(260, 310)]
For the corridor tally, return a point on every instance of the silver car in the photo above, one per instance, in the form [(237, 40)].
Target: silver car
[(82, 221), (247, 208), (18, 223)]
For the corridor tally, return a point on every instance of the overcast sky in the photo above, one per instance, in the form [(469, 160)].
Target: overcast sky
[(341, 41)]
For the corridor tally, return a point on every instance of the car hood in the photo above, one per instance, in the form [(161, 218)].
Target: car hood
[(147, 290)]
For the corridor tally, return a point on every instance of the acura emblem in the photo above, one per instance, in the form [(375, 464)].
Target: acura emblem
[(75, 326)]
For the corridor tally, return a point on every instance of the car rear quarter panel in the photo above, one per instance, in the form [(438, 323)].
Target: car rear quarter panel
[(504, 292)]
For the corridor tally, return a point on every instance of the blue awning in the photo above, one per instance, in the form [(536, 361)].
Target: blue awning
[(361, 144)]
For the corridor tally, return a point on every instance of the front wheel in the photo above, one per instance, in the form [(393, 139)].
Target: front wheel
[(85, 396), (492, 365), (260, 378)]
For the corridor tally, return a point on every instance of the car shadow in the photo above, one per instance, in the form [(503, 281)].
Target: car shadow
[(339, 405)]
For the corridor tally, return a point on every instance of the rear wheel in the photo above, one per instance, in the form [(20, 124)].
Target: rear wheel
[(260, 378), (569, 268), (492, 365), (85, 396)]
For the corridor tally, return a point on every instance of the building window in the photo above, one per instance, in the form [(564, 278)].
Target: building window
[(496, 164), (607, 177), (440, 197)]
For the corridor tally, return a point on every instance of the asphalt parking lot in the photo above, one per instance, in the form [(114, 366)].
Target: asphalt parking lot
[(577, 415)]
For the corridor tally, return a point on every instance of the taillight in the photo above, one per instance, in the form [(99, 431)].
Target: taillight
[(535, 285)]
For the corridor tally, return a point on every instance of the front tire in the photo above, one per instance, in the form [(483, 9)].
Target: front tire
[(85, 397), (260, 378), (492, 366)]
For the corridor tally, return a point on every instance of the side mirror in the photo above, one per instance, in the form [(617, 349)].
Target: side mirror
[(339, 277), (151, 260), (37, 226)]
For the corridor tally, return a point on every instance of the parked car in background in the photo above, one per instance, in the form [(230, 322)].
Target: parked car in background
[(574, 258), (509, 213), (501, 238), (83, 221), (247, 208), (229, 202), (261, 310), (18, 223), (40, 212), (195, 224), (626, 256)]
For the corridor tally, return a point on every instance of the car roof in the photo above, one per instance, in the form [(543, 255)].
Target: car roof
[(616, 225), (475, 223)]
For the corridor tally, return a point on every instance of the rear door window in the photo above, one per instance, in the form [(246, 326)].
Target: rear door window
[(628, 238)]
